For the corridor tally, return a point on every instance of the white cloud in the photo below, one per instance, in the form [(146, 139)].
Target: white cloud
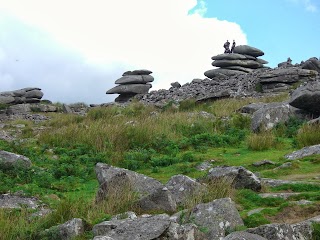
[(160, 35)]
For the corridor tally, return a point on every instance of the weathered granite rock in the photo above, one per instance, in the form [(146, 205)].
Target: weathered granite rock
[(278, 195), (239, 68), (113, 178), (217, 217), (277, 182), (247, 50), (275, 232), (143, 228), (14, 201), (176, 85), (286, 75), (30, 108), (243, 236), (130, 88), (187, 231), (137, 72), (304, 152), (307, 97), (65, 231), (239, 176), (131, 79), (234, 56), (183, 188), (271, 114), (160, 200), (252, 107), (9, 160), (221, 72), (241, 63), (312, 64), (25, 95), (263, 163)]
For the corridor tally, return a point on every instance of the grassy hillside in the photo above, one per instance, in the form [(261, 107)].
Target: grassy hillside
[(160, 144)]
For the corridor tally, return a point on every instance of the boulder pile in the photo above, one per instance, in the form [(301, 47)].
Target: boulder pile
[(243, 60), (25, 95), (132, 83)]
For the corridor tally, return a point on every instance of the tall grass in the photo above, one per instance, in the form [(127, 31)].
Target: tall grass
[(308, 135), (261, 141)]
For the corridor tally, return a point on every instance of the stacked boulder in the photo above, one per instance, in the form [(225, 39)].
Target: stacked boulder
[(243, 60), (132, 83), (25, 95)]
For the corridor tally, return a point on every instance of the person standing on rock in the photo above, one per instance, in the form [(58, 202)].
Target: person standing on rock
[(233, 46), (226, 46)]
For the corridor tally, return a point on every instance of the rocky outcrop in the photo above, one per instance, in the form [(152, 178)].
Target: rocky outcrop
[(304, 152), (10, 160), (307, 97), (132, 83), (243, 60), (30, 108), (312, 64), (281, 79), (239, 177), (25, 95)]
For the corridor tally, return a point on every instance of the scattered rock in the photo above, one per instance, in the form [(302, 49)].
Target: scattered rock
[(183, 188), (14, 201), (239, 176), (307, 97), (263, 163), (9, 160), (304, 152)]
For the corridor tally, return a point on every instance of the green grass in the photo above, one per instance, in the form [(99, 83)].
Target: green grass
[(161, 145)]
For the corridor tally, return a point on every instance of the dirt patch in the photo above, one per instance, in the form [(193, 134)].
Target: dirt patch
[(294, 214)]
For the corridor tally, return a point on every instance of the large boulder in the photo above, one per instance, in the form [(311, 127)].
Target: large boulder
[(137, 72), (30, 108), (16, 201), (130, 79), (247, 50), (271, 114), (241, 63), (221, 72), (183, 188), (143, 228), (304, 152), (307, 97), (278, 232), (112, 178), (160, 200), (130, 88), (66, 231), (234, 56), (9, 160), (312, 64), (217, 217), (239, 176)]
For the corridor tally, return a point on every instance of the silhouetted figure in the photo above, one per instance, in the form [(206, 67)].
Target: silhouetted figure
[(226, 46), (289, 60), (233, 46)]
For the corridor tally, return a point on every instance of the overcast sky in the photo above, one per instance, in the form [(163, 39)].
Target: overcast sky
[(74, 50)]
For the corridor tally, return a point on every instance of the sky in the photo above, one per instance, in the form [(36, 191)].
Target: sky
[(74, 50)]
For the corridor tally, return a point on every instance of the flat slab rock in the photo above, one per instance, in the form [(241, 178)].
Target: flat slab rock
[(13, 201), (304, 152)]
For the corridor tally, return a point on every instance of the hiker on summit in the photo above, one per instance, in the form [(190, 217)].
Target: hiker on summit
[(233, 46), (226, 46)]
